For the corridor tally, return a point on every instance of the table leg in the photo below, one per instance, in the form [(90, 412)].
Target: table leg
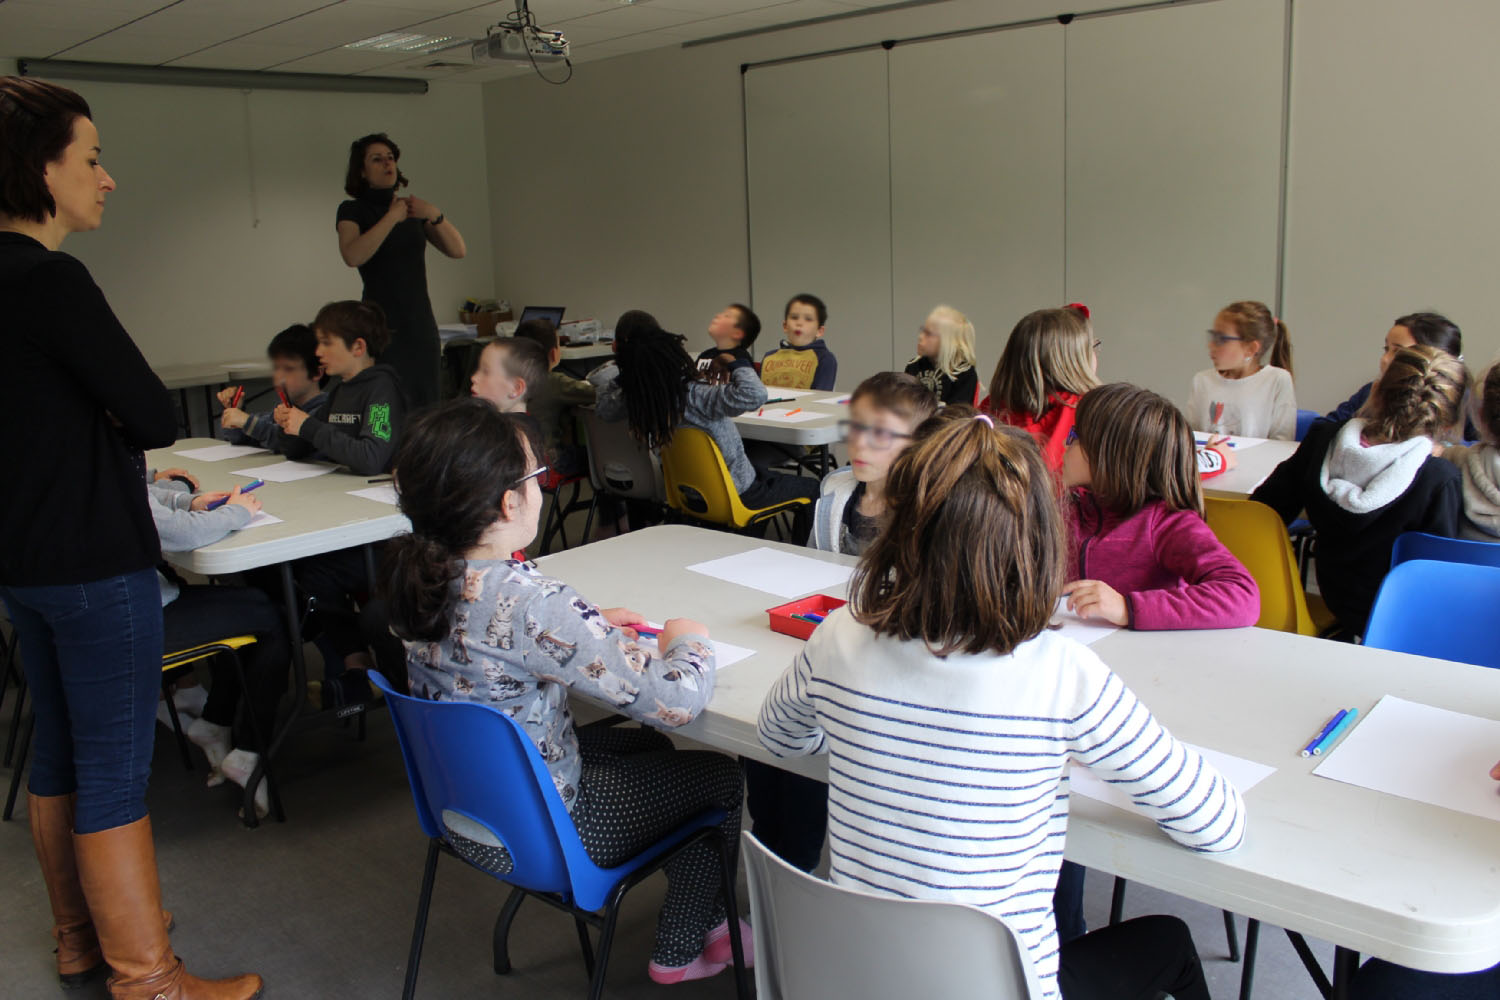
[(1345, 965), (299, 689)]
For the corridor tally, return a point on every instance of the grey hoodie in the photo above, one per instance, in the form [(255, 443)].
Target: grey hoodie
[(1480, 464), (183, 530)]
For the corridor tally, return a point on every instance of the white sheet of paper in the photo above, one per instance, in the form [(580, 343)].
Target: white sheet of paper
[(1421, 753), (385, 493), (260, 520), (725, 653), (785, 414), (219, 452), (1242, 774), (286, 472), (1087, 631), (776, 572), (1237, 443), (777, 392)]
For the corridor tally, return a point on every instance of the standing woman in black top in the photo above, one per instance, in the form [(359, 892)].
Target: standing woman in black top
[(386, 237), (78, 552)]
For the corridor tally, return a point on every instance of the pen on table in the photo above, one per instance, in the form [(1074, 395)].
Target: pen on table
[(1328, 727), (216, 504), (793, 412), (1328, 741), (382, 479), (761, 412), (780, 399)]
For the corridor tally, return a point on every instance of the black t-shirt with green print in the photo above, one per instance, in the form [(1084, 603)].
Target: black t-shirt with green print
[(359, 426)]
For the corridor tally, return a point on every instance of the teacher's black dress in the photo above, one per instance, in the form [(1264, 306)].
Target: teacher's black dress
[(395, 277)]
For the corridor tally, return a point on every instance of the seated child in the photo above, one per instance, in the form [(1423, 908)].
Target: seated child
[(945, 357), (359, 423), (511, 371), (733, 330), (659, 389), (482, 626), (360, 426), (1480, 465), (1426, 328), (1364, 482), (803, 361), (194, 614), (554, 401), (884, 412), (295, 371), (1049, 362), (1248, 391), (1141, 554), (950, 637)]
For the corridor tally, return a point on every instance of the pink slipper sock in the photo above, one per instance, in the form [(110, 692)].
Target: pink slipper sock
[(718, 948), (698, 968)]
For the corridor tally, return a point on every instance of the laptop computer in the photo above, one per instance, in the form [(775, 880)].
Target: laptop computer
[(552, 314)]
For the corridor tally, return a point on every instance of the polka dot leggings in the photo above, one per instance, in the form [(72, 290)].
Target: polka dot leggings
[(635, 790)]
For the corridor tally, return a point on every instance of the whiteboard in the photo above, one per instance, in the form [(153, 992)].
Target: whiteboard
[(977, 182), (1174, 151), (817, 147)]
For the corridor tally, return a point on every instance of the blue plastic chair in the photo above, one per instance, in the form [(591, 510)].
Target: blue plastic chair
[(469, 759), (1420, 545), (1439, 609), (1305, 420)]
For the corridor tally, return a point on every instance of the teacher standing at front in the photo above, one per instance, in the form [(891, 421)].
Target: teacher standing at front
[(386, 237)]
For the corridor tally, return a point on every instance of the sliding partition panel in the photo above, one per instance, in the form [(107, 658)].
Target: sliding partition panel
[(1174, 133), (818, 174), (977, 181)]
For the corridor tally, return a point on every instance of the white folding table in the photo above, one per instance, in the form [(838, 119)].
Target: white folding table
[(1376, 874)]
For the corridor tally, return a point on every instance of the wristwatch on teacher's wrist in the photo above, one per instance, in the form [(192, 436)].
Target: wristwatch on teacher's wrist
[(438, 221)]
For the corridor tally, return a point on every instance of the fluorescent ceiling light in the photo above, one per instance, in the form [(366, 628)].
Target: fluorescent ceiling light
[(406, 41)]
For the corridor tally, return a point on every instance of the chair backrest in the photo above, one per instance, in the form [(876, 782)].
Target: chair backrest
[(619, 464), (816, 939), (1305, 420), (1438, 609), (1420, 545), (1258, 539), (698, 482), (470, 759)]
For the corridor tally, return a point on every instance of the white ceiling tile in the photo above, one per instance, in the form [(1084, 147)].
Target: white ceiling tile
[(240, 55), (146, 51)]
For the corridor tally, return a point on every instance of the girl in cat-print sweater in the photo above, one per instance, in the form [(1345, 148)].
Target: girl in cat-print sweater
[(480, 625)]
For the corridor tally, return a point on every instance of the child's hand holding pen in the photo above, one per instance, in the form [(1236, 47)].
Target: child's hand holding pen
[(211, 501), (288, 418), (1220, 444), (625, 620)]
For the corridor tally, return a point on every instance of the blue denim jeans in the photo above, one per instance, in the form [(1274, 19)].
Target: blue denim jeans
[(92, 657)]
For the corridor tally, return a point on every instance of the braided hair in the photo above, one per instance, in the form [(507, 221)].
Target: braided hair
[(655, 370), (1420, 395)]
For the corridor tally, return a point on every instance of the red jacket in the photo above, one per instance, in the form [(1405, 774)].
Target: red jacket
[(1172, 570), (1051, 428)]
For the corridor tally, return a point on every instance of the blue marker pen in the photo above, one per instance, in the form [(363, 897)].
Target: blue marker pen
[(1338, 717), (1328, 741), (216, 504)]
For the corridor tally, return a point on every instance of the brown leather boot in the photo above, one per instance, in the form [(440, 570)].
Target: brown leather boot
[(117, 869), (78, 956)]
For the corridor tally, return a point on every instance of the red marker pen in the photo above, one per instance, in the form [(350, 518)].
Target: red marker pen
[(239, 394), (282, 393)]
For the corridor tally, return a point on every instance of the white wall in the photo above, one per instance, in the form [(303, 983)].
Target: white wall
[(1390, 202), (222, 230)]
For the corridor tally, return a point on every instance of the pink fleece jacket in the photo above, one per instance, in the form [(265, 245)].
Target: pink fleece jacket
[(1171, 569)]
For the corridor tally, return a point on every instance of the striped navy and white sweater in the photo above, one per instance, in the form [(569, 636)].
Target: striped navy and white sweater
[(948, 777)]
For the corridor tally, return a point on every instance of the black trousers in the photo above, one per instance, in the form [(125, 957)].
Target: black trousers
[(203, 614), (1137, 959), (789, 813)]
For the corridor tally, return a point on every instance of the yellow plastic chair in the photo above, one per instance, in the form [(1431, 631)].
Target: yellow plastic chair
[(1258, 539), (699, 484)]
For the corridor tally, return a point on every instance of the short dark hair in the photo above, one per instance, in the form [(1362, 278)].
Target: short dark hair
[(900, 393), (540, 330), (352, 320), (807, 300), (298, 343), (748, 323), (1434, 330), (354, 178), (525, 359), (36, 127)]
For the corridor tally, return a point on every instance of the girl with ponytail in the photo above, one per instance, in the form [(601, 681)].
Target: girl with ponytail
[(481, 625), (1368, 480), (951, 711), (1248, 391)]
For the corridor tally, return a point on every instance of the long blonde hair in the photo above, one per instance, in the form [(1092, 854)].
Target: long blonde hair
[(955, 340), (1050, 350)]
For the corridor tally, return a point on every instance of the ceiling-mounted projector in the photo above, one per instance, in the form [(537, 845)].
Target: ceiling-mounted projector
[(506, 44)]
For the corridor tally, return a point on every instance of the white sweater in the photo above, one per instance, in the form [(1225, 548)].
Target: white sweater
[(1263, 405), (948, 778)]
